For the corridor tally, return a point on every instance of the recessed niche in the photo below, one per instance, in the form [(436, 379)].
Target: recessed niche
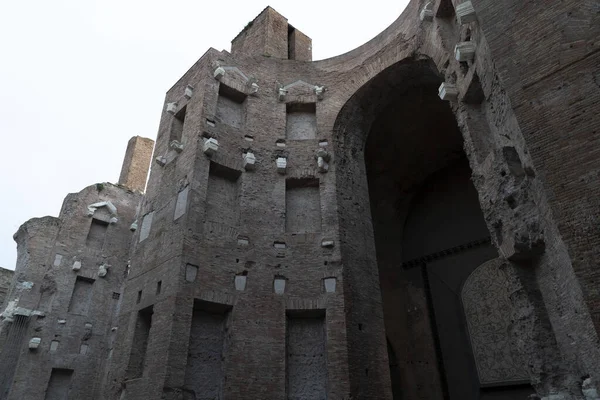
[(59, 384), (231, 107), (302, 206), (82, 295), (306, 355), (207, 350), (139, 345), (222, 198), (96, 234), (301, 121), (177, 125)]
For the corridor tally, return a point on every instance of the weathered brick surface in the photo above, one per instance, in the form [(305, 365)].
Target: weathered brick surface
[(526, 122)]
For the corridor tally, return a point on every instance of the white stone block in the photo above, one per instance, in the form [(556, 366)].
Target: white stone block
[(320, 92), (219, 73), (160, 160), (240, 283), (464, 51), (282, 94), (322, 165), (330, 284), (279, 285), (588, 390), (210, 122), (426, 13), (133, 227), (103, 270), (34, 343), (249, 161), (448, 92), (211, 146), (83, 349), (62, 321), (243, 241), (254, 88), (88, 326), (172, 108), (280, 143), (465, 13), (54, 345), (323, 143), (327, 243), (181, 205), (113, 220), (282, 165), (177, 146), (57, 260), (188, 92), (146, 226), (279, 245), (76, 266)]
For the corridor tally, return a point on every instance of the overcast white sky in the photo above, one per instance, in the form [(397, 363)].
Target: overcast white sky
[(78, 78)]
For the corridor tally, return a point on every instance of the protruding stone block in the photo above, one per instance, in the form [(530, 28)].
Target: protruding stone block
[(426, 13), (219, 73), (279, 245), (254, 88), (57, 260), (464, 51), (249, 161), (103, 270), (320, 92), (188, 92), (62, 321), (160, 160), (322, 165), (330, 284), (191, 272), (133, 227), (282, 165), (589, 391), (211, 146), (34, 343), (448, 92), (76, 266), (240, 283), (177, 146), (172, 108), (465, 13), (279, 284), (282, 92), (113, 220), (327, 243), (243, 241)]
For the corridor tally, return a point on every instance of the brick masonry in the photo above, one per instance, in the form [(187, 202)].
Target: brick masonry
[(242, 255)]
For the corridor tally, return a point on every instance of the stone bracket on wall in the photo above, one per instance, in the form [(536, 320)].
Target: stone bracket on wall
[(300, 92), (91, 209)]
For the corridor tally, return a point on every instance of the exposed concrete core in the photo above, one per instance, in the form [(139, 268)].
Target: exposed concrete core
[(306, 356), (97, 233), (301, 121), (302, 206), (12, 339), (82, 295), (230, 107), (136, 163), (6, 277), (204, 371), (222, 197), (59, 384), (135, 369)]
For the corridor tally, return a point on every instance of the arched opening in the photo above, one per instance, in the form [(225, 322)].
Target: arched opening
[(429, 235)]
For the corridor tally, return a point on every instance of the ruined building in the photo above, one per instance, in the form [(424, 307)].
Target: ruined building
[(415, 219)]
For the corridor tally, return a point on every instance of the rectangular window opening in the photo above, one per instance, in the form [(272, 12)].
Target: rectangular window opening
[(291, 42), (158, 287), (139, 345), (82, 296), (306, 354), (301, 121), (96, 234)]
